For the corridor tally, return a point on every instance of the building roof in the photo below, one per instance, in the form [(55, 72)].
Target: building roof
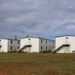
[(13, 39), (66, 35), (9, 39), (39, 38)]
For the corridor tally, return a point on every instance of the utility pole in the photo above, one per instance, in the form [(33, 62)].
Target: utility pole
[(15, 37)]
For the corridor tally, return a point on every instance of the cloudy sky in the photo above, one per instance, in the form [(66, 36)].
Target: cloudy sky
[(37, 18)]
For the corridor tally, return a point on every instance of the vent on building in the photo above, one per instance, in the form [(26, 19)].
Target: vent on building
[(66, 38)]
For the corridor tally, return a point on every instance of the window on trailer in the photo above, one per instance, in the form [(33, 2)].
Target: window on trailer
[(46, 41), (17, 47), (11, 41), (18, 42), (11, 47), (41, 40), (41, 47)]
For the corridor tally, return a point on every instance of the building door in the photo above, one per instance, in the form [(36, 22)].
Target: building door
[(66, 50)]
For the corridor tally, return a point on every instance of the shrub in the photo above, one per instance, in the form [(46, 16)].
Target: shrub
[(13, 51), (49, 51)]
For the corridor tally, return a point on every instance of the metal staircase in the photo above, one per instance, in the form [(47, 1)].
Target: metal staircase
[(25, 46), (64, 45)]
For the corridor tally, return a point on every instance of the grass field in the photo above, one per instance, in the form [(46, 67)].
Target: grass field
[(37, 64)]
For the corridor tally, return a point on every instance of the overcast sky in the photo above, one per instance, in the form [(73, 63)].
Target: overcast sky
[(37, 18)]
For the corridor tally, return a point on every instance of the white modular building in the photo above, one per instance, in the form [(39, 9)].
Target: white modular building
[(9, 45), (65, 44), (32, 45)]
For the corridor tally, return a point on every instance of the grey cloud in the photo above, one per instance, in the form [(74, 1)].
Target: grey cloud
[(37, 17)]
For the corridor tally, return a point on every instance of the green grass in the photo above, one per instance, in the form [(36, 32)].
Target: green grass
[(37, 64)]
